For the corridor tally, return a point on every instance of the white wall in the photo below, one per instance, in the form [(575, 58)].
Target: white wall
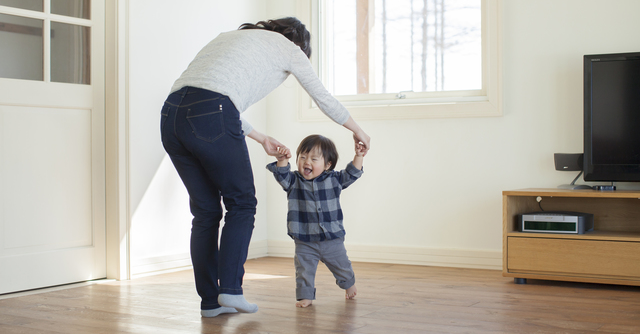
[(431, 192), (164, 36)]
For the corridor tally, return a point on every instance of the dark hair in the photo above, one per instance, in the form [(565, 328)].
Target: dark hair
[(324, 144), (290, 27)]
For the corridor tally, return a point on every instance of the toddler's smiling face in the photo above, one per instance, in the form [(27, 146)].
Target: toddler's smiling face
[(311, 164)]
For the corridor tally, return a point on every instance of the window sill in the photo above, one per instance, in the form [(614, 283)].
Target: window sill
[(485, 108)]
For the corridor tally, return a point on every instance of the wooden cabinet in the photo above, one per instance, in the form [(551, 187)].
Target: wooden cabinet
[(609, 254)]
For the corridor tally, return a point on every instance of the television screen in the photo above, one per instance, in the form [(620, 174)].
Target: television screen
[(612, 117)]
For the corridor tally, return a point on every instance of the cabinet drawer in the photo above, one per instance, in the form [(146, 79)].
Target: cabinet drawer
[(572, 256)]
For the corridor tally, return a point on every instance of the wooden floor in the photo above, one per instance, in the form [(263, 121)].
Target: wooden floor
[(391, 299)]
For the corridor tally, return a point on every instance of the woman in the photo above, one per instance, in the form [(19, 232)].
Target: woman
[(204, 135)]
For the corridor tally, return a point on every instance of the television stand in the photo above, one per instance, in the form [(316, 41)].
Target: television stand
[(609, 254)]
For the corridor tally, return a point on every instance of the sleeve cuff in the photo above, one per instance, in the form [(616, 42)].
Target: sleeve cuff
[(273, 168), (246, 127), (352, 170)]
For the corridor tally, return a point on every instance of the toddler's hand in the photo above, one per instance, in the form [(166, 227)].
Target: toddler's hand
[(361, 150), (283, 153)]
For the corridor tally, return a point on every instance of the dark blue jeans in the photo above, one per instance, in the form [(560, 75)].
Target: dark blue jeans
[(201, 132)]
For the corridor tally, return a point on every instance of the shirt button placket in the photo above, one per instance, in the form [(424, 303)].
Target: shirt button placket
[(315, 194)]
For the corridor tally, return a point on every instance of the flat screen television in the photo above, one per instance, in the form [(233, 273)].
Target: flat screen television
[(612, 117)]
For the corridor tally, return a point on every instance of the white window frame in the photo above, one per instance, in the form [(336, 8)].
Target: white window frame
[(486, 102)]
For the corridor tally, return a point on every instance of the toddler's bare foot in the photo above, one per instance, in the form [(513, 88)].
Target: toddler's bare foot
[(351, 292), (304, 303)]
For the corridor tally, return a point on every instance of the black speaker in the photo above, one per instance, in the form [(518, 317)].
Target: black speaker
[(568, 161)]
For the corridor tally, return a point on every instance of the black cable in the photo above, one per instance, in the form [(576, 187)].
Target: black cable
[(539, 200)]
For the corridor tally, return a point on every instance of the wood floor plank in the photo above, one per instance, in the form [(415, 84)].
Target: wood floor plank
[(391, 299)]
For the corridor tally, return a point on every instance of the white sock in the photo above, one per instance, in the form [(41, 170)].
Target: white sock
[(237, 302), (217, 311)]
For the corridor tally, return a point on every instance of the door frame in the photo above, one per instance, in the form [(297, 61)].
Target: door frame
[(118, 217)]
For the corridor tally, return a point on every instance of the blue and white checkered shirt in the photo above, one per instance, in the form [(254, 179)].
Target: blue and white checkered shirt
[(314, 205)]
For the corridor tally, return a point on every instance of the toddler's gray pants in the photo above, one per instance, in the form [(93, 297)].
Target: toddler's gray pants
[(333, 254)]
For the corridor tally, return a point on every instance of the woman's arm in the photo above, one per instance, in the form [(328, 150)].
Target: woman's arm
[(303, 71), (359, 136), (269, 144)]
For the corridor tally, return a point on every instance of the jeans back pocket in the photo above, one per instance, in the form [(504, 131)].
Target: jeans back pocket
[(206, 122)]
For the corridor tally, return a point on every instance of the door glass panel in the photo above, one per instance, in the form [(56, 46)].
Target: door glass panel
[(75, 8), (70, 53), (21, 51), (24, 4)]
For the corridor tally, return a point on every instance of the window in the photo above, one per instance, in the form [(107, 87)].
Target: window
[(408, 58), (46, 40)]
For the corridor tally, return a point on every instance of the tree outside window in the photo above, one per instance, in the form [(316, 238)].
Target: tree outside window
[(401, 46)]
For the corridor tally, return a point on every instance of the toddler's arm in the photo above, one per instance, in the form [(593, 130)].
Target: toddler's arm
[(283, 156), (353, 171), (359, 158), (282, 174)]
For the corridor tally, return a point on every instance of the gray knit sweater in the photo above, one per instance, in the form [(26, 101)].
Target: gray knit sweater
[(246, 65)]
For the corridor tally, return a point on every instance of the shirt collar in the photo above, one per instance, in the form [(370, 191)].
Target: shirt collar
[(319, 178)]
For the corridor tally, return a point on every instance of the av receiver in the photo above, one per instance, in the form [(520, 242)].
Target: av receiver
[(556, 222)]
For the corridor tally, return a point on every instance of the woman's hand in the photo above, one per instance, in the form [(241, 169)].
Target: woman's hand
[(269, 144), (359, 136), (362, 142), (275, 149)]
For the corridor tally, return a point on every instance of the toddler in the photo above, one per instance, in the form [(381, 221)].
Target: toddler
[(314, 219)]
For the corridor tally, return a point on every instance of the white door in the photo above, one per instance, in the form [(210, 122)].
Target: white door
[(52, 178)]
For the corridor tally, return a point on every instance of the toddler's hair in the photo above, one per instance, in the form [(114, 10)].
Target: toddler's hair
[(323, 144)]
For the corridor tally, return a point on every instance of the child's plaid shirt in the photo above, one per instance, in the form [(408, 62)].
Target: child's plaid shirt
[(314, 205)]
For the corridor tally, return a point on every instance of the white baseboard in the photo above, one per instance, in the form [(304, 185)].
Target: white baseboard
[(258, 249), (159, 264), (175, 262), (459, 258)]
